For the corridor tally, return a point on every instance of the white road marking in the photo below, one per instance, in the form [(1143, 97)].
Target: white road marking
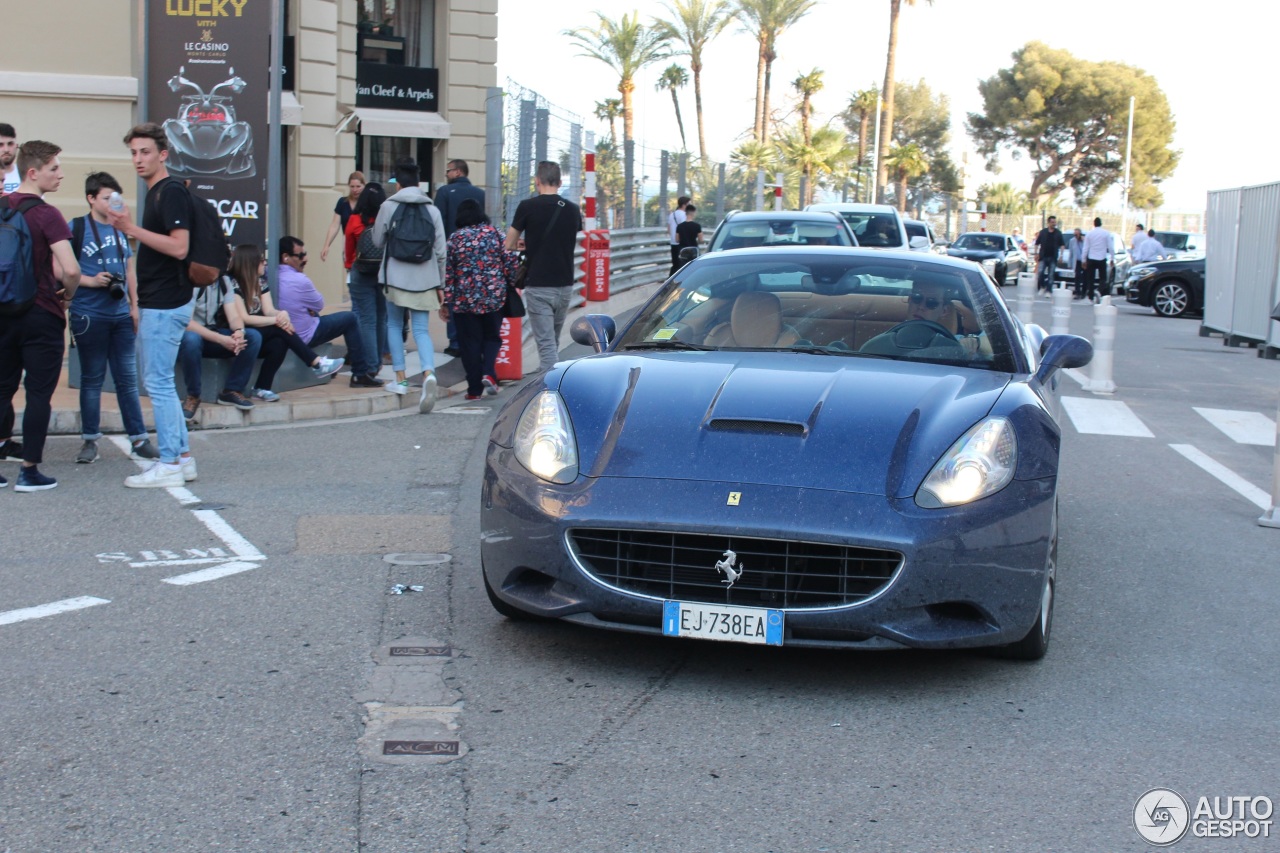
[(191, 562), (211, 574), (1225, 475), (1104, 417), (65, 606), (239, 546), (1242, 427)]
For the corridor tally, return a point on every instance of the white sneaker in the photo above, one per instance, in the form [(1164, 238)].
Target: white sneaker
[(188, 469), (327, 367), (158, 476), (266, 395), (400, 387), (427, 401)]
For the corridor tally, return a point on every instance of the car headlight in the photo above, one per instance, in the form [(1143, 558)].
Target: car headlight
[(544, 442), (989, 265), (981, 463), (1142, 272)]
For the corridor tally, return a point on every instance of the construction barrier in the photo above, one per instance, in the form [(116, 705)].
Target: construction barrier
[(595, 265), (510, 362)]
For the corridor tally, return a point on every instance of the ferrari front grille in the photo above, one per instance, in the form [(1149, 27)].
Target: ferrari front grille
[(777, 573)]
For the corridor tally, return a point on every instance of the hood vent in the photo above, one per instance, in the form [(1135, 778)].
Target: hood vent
[(757, 427)]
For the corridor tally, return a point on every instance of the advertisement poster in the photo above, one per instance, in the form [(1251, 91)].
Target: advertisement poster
[(208, 86)]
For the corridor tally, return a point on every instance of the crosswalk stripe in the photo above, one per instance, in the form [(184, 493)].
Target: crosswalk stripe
[(1225, 475), (1104, 417), (1242, 427)]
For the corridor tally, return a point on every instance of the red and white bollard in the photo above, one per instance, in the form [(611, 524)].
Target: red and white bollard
[(777, 192), (510, 361), (595, 265)]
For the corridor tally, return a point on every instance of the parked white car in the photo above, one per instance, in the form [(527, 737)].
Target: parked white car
[(877, 226)]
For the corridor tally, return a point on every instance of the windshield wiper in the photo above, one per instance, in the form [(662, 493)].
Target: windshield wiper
[(675, 345), (821, 350)]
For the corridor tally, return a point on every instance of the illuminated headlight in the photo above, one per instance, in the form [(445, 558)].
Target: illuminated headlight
[(545, 443), (981, 463)]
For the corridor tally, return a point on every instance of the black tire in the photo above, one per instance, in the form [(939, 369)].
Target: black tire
[(1170, 298), (507, 610)]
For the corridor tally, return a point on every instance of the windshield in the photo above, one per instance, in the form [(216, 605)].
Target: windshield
[(984, 242), (1178, 241), (916, 229), (745, 234), (838, 305), (879, 230)]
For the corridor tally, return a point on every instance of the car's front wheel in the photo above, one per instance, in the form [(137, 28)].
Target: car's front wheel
[(1171, 298)]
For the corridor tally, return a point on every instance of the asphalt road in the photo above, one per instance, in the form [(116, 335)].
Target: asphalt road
[(251, 712)]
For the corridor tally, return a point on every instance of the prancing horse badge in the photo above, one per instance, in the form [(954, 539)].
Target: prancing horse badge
[(735, 498)]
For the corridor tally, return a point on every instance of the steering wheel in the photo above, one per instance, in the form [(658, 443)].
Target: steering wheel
[(919, 334)]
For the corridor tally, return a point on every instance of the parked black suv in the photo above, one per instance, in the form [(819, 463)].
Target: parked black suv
[(1172, 288)]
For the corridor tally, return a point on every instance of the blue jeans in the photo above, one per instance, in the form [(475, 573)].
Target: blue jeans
[(422, 337), (370, 308), (99, 340), (159, 339), (346, 324), (194, 348)]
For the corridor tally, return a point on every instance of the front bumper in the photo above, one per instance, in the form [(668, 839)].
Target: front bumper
[(970, 576)]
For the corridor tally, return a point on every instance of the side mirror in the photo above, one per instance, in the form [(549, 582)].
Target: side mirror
[(1062, 351), (919, 243), (688, 253), (593, 330)]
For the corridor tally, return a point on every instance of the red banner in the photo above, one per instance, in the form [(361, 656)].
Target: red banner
[(510, 362), (596, 265)]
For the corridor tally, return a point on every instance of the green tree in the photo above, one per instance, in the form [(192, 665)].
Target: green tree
[(610, 110), (1070, 117), (626, 46), (891, 59), (818, 154), (672, 78), (694, 23), (923, 119), (857, 117), (767, 20), (1003, 198), (906, 162)]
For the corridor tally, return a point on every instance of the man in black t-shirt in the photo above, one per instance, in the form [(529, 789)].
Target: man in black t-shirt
[(550, 225), (1048, 242), (164, 300), (688, 233)]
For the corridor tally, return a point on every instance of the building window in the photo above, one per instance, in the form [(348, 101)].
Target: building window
[(398, 32)]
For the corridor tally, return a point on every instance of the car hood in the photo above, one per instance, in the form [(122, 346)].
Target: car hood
[(975, 254), (863, 425)]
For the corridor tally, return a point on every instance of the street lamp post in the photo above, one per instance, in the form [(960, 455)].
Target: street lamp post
[(1128, 159)]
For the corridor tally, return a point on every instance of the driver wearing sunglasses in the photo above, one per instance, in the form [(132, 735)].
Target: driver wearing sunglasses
[(926, 302)]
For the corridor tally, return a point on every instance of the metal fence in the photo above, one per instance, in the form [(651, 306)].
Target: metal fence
[(1242, 266)]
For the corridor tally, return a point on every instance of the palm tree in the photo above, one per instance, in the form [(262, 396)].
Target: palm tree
[(807, 85), (817, 154), (1003, 198), (767, 20), (693, 23), (857, 117), (626, 46), (609, 110), (886, 121), (673, 78), (907, 162)]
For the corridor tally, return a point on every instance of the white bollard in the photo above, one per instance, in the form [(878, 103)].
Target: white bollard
[(1026, 296), (1104, 348), (1061, 312), (1271, 518)]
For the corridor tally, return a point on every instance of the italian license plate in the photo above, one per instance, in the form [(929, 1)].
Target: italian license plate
[(722, 622)]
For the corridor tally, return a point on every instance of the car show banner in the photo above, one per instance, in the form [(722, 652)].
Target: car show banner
[(207, 86)]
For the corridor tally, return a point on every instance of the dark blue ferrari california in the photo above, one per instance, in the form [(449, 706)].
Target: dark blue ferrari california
[(805, 447)]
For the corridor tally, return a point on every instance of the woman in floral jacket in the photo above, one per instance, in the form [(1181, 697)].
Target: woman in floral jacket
[(477, 269)]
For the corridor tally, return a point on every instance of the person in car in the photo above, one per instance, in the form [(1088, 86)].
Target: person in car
[(927, 305)]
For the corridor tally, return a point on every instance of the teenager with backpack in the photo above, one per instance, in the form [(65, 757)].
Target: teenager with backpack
[(363, 259), (411, 233), (38, 277), (103, 318), (164, 298)]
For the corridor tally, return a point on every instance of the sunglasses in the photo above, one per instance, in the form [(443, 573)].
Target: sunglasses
[(930, 302), (299, 254)]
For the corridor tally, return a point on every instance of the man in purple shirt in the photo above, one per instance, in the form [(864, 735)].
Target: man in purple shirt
[(298, 297)]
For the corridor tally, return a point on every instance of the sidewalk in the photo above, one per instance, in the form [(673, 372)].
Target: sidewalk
[(322, 402)]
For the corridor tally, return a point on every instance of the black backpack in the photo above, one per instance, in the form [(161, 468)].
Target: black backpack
[(207, 253), (17, 265), (368, 253), (411, 235)]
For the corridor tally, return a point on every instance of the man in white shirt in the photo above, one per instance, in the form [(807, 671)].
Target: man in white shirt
[(1098, 250), (1139, 237), (8, 159), (673, 219), (1149, 249)]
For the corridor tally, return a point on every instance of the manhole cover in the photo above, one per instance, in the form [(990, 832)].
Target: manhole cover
[(416, 559), (466, 410)]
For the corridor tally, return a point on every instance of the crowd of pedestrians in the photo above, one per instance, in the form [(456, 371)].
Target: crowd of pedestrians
[(120, 284)]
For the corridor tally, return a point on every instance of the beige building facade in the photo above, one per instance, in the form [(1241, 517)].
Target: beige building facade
[(74, 79)]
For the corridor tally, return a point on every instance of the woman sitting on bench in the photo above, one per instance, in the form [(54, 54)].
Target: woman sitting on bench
[(253, 301)]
